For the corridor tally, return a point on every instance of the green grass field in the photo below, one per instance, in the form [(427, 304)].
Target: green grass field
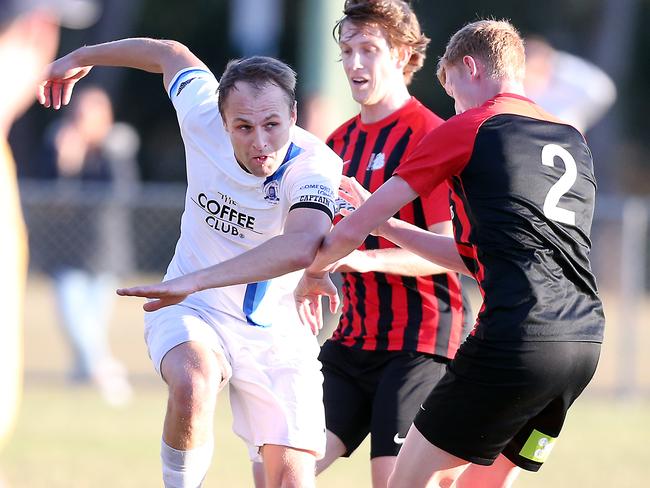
[(68, 437)]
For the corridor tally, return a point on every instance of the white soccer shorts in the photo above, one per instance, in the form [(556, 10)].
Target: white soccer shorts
[(276, 386)]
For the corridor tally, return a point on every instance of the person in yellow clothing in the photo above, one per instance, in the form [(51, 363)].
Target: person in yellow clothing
[(29, 36), (13, 249)]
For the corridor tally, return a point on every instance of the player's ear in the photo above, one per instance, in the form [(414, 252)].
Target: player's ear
[(403, 55), (471, 66), (294, 113), (222, 113), (225, 123)]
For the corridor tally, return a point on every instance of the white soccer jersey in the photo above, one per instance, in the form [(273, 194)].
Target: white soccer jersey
[(229, 211)]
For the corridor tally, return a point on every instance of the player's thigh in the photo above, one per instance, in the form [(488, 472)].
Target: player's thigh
[(576, 365), (170, 327), (276, 389), (502, 474), (380, 470), (286, 466), (510, 384), (334, 449), (405, 383), (346, 398), (419, 463)]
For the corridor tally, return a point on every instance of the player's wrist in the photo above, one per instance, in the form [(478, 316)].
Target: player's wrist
[(383, 229), (202, 280), (79, 57), (316, 273)]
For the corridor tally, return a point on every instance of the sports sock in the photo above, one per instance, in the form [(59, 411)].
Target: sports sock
[(185, 469)]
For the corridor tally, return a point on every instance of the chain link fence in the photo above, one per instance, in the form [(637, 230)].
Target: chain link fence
[(100, 227), (131, 230)]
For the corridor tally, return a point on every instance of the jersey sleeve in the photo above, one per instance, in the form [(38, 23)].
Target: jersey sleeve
[(436, 205), (442, 153), (192, 89), (314, 184)]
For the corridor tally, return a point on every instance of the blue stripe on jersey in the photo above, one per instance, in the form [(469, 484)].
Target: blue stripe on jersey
[(292, 153), (254, 294), (179, 80), (256, 291)]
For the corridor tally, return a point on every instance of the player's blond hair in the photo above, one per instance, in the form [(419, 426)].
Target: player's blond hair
[(496, 43), (396, 20)]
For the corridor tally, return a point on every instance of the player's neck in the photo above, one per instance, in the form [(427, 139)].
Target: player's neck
[(386, 106), (508, 86)]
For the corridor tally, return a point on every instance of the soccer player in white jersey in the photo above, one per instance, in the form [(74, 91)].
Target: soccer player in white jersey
[(260, 198)]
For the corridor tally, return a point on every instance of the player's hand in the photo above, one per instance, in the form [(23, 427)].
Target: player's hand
[(352, 192), (60, 79), (162, 294), (308, 299)]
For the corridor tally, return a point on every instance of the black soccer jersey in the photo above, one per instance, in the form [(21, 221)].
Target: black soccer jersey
[(523, 192)]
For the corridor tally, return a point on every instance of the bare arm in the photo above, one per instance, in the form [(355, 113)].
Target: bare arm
[(152, 55), (304, 231), (348, 234), (395, 261), (437, 248), (344, 238)]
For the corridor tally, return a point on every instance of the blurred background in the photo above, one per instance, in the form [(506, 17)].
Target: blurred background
[(108, 214)]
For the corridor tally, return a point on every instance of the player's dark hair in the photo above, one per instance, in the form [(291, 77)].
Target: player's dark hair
[(398, 22), (257, 71)]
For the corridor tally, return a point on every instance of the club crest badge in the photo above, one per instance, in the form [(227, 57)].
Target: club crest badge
[(377, 161), (271, 192)]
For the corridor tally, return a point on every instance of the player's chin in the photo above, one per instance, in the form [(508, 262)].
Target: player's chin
[(269, 168), (263, 170)]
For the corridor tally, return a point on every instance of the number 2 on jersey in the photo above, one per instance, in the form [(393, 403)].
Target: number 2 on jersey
[(563, 185)]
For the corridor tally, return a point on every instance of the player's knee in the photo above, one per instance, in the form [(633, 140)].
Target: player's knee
[(292, 478), (195, 390), (290, 468)]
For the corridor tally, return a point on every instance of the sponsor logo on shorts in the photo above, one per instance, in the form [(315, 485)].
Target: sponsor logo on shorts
[(399, 440), (538, 447)]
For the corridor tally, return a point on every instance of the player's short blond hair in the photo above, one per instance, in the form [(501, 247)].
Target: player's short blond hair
[(496, 43)]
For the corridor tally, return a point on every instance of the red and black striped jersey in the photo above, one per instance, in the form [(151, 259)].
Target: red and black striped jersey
[(522, 195), (391, 312)]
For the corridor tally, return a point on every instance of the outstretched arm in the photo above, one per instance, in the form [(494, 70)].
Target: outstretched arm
[(437, 248), (348, 234), (152, 55), (293, 250), (344, 238), (436, 245), (373, 215), (393, 260)]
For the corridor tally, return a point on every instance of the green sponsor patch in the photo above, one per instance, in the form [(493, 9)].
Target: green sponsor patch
[(537, 447)]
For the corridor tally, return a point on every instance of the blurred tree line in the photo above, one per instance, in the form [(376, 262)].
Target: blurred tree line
[(610, 33)]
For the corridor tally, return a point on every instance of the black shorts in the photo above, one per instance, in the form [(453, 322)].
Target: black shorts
[(376, 392), (508, 398)]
